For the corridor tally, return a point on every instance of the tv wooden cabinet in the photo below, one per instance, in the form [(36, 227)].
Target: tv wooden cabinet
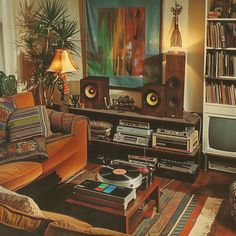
[(115, 150)]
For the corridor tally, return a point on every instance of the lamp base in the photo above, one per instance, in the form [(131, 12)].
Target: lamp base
[(64, 106)]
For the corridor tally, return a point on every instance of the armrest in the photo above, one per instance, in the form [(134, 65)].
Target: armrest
[(68, 123)]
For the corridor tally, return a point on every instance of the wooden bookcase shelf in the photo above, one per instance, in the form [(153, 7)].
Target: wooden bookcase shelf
[(219, 101)]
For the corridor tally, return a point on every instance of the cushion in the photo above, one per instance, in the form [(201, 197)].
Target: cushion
[(60, 121), (16, 175), (33, 149), (19, 202), (63, 122), (65, 218), (62, 228), (23, 100), (59, 151), (7, 106), (28, 122), (13, 221)]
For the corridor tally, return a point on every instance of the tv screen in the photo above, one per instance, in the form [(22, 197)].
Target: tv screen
[(222, 134)]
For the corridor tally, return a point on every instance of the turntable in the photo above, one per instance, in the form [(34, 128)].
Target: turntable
[(121, 175)]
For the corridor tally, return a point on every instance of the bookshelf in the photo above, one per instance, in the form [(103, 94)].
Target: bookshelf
[(219, 100)]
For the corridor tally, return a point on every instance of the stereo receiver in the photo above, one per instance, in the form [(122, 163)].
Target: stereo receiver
[(130, 139)]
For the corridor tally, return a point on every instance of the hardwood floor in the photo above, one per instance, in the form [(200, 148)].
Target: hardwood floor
[(209, 183)]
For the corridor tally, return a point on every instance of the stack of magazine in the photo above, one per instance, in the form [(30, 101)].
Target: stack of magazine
[(103, 194)]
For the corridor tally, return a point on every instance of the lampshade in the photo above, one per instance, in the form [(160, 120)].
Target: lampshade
[(62, 62), (176, 39)]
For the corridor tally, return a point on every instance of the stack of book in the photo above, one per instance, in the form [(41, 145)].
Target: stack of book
[(221, 34), (221, 92), (219, 64), (103, 194), (100, 130)]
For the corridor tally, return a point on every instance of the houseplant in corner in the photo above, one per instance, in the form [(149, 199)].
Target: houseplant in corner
[(42, 30)]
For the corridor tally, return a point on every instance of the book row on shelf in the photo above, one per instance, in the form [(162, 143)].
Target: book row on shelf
[(221, 92), (221, 34), (220, 63)]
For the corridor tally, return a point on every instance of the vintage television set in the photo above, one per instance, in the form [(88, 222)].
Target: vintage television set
[(219, 135)]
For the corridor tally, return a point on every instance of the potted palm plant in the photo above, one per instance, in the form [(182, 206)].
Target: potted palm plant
[(42, 30)]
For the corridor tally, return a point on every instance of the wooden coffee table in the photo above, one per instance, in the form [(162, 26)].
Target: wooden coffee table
[(108, 217)]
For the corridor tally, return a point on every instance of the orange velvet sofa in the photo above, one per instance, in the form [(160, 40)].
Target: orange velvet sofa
[(66, 155)]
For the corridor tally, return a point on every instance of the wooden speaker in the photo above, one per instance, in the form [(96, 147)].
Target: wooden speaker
[(153, 98), (174, 85), (93, 91)]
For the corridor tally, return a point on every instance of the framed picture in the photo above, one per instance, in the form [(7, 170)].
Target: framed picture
[(123, 41)]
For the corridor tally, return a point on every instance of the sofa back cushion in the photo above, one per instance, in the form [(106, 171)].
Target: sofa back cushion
[(7, 106), (28, 122), (23, 100)]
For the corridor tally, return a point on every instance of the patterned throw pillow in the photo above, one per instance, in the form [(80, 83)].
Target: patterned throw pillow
[(27, 123), (7, 106), (32, 149), (19, 202)]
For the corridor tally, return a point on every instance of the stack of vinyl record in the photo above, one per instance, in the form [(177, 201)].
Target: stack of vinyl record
[(100, 129)]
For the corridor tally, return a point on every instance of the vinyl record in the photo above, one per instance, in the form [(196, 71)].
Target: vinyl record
[(122, 175)]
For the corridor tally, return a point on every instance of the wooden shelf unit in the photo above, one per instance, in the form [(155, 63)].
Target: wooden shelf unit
[(121, 150)]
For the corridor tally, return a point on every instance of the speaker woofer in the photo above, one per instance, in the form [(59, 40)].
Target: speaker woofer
[(152, 99), (173, 82), (90, 91), (174, 102)]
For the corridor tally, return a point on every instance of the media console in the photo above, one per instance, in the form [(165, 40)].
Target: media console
[(109, 149)]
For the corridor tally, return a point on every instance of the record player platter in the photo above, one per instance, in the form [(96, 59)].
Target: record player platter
[(121, 175)]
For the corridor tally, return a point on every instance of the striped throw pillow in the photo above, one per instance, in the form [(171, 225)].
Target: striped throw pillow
[(28, 122)]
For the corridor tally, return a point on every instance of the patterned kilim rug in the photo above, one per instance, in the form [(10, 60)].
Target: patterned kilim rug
[(181, 214)]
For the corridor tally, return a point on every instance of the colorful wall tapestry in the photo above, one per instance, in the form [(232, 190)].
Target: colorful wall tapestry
[(123, 41)]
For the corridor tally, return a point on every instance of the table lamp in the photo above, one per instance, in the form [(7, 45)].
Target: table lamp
[(62, 63)]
